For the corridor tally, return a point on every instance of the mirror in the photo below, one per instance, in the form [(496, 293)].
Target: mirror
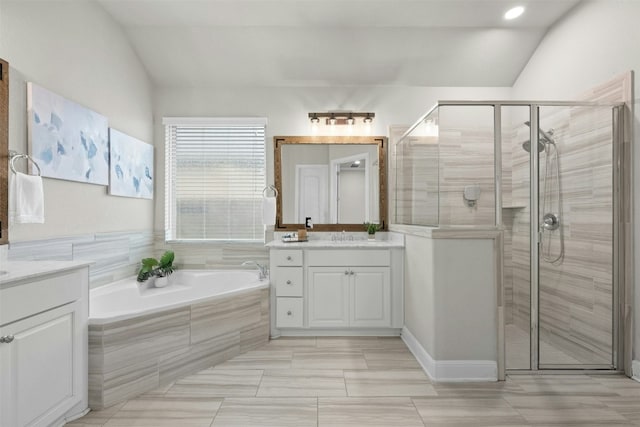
[(4, 151), (338, 181)]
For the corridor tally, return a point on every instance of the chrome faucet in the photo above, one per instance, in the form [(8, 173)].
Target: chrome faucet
[(264, 271)]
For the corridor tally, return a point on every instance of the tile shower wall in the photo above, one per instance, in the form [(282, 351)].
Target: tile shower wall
[(575, 294), (466, 159), (431, 172), (416, 178)]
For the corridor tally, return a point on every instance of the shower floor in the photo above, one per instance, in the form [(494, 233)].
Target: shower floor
[(517, 350)]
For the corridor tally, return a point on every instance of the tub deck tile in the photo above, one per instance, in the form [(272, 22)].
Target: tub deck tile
[(199, 356), (130, 357), (129, 342), (128, 382), (224, 315)]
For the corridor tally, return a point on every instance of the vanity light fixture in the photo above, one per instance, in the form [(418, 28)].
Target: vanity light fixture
[(341, 117), (350, 120), (514, 12)]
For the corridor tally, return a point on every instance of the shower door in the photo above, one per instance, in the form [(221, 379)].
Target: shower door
[(575, 238), (558, 213)]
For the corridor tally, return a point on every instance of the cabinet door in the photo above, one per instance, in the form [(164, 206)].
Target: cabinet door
[(328, 297), (370, 297), (36, 368)]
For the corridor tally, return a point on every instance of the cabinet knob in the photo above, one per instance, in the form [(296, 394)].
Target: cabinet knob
[(289, 258), (288, 282), (351, 273), (289, 313), (6, 339), (346, 272)]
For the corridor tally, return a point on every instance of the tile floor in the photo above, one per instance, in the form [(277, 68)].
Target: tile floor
[(518, 350), (366, 382)]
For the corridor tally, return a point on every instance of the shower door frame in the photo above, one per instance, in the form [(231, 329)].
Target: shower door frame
[(621, 350)]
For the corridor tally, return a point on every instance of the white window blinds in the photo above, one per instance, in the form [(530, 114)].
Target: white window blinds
[(215, 174)]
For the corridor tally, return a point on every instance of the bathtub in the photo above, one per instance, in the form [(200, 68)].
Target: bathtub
[(127, 298), (142, 337)]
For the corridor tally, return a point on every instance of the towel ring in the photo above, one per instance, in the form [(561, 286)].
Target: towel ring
[(270, 187), (14, 156)]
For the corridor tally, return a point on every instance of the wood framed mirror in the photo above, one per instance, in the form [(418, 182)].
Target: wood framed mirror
[(340, 182), (4, 152)]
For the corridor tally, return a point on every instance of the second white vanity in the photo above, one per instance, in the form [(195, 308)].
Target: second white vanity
[(44, 308), (328, 287)]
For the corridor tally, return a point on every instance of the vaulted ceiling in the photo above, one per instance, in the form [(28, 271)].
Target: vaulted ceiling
[(209, 43)]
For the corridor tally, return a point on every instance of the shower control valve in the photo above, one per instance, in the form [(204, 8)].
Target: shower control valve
[(550, 222)]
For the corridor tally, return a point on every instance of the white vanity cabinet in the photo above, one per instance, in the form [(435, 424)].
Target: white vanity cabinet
[(337, 291), (328, 297), (349, 296), (43, 349), (288, 283), (369, 297)]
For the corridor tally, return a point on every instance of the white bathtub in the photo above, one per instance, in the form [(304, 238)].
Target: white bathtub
[(127, 298), (141, 338)]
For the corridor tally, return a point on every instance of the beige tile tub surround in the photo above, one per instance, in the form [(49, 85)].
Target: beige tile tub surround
[(241, 393), (133, 356)]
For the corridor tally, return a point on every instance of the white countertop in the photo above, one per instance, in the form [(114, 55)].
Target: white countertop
[(26, 270), (350, 241)]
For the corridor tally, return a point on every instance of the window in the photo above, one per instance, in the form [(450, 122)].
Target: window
[(215, 174)]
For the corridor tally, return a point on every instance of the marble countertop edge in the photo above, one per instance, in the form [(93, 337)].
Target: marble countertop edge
[(19, 271)]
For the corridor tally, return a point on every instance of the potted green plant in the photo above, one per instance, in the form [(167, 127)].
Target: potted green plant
[(371, 229), (158, 269)]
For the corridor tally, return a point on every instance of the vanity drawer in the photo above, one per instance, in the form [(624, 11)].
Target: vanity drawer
[(34, 297), (288, 258), (289, 282), (349, 257), (289, 313)]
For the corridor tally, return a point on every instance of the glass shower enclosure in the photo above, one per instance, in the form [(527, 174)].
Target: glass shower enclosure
[(547, 175)]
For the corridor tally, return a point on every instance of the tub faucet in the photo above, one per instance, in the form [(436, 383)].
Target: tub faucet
[(262, 268)]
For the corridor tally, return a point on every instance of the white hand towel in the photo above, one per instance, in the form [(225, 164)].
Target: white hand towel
[(269, 210), (26, 199)]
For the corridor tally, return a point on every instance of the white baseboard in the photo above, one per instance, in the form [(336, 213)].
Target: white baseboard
[(450, 370), (424, 359), (635, 370)]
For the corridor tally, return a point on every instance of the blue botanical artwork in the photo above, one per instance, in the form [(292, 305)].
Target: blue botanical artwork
[(67, 140), (131, 173)]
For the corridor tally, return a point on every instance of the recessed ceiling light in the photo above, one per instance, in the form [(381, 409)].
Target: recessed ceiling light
[(514, 12)]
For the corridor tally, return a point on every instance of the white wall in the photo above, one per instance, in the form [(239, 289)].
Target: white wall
[(595, 42), (450, 297), (287, 107), (465, 300), (419, 290), (75, 49)]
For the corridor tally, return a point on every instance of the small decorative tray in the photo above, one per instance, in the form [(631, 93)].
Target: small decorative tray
[(293, 239)]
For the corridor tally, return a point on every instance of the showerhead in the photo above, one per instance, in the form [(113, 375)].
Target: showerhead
[(545, 136), (526, 146)]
